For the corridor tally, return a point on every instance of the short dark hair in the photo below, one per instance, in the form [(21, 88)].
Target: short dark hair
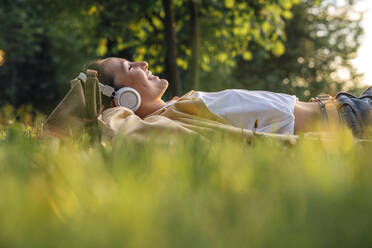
[(103, 75)]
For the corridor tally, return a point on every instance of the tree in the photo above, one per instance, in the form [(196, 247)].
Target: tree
[(39, 57), (195, 46), (321, 41), (229, 27), (46, 42), (151, 33), (171, 49)]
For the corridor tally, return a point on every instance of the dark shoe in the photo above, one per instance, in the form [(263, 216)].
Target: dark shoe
[(356, 112)]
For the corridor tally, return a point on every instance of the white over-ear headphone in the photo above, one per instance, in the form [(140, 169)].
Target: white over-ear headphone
[(125, 97)]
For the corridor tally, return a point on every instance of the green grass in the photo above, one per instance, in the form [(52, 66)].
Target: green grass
[(188, 194)]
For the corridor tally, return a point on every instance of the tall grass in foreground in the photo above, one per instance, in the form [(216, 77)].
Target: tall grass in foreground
[(189, 194)]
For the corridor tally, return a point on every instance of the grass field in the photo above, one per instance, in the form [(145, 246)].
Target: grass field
[(189, 194)]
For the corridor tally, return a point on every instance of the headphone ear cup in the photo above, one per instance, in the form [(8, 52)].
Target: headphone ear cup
[(128, 98)]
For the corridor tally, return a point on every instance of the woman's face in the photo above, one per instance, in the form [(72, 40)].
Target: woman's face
[(136, 75)]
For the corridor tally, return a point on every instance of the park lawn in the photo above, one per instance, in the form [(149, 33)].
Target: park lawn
[(225, 193)]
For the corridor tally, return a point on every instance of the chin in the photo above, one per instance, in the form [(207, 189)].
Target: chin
[(164, 86), (165, 83)]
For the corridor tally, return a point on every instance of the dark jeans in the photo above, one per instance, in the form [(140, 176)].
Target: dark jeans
[(356, 111)]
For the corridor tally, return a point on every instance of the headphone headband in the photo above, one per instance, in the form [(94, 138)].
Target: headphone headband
[(106, 90)]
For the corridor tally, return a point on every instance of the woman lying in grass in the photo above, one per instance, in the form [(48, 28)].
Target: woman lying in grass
[(262, 111)]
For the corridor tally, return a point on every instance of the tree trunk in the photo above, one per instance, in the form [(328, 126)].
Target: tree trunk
[(171, 69), (11, 62), (195, 46), (13, 84)]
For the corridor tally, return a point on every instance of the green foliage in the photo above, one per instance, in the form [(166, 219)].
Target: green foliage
[(277, 45), (43, 48), (229, 27), (224, 194), (321, 41), (234, 26)]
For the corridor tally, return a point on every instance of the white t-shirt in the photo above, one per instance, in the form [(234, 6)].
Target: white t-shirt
[(274, 112)]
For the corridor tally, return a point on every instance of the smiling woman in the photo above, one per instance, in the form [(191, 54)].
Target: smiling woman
[(119, 73), (261, 111)]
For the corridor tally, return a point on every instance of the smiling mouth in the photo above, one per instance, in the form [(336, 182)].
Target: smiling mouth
[(152, 77)]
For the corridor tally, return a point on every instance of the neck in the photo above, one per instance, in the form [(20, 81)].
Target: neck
[(149, 107)]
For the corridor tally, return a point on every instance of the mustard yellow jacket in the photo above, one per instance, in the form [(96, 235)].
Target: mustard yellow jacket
[(186, 116)]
